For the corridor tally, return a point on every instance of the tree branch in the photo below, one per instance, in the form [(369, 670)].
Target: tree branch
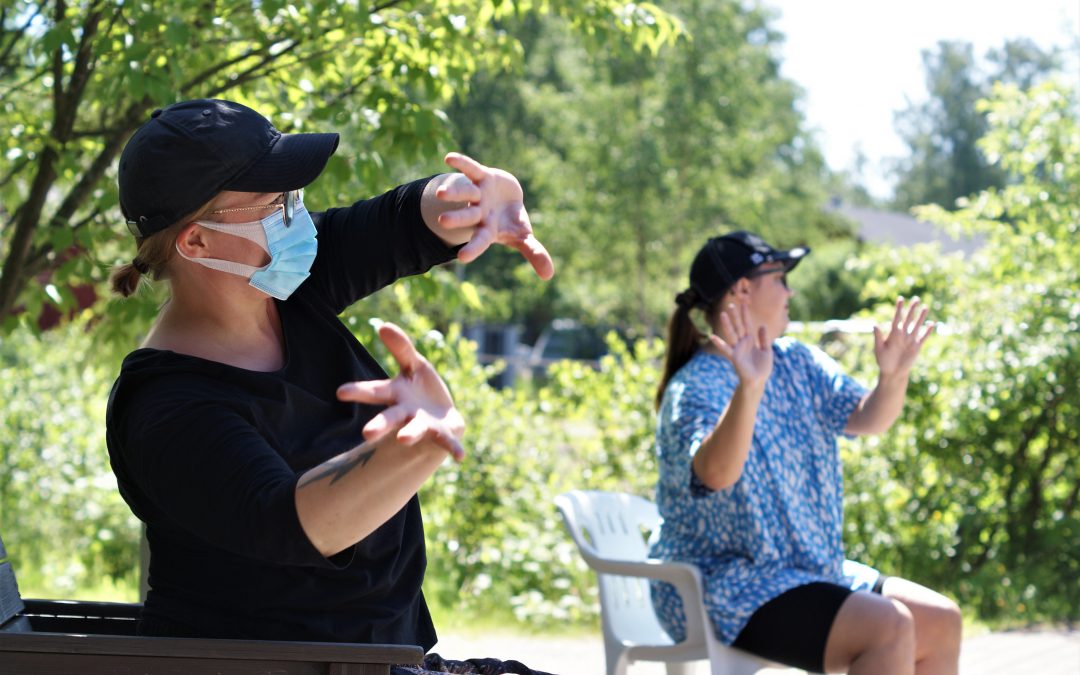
[(385, 5), (15, 35), (213, 70), (253, 72), (15, 169), (15, 273), (93, 174), (68, 105), (32, 78), (58, 64), (1017, 464)]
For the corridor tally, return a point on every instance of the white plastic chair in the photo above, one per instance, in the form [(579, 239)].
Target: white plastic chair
[(608, 528)]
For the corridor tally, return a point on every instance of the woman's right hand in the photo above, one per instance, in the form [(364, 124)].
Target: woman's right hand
[(419, 403), (749, 351)]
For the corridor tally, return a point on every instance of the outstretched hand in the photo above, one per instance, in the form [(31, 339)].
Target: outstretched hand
[(496, 208), (419, 404), (749, 351), (897, 352)]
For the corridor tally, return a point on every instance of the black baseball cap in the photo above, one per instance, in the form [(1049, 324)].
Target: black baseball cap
[(192, 150), (724, 260)]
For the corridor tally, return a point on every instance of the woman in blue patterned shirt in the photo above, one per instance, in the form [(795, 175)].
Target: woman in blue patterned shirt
[(751, 487)]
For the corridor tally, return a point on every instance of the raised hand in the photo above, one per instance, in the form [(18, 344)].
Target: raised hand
[(897, 352), (749, 351), (496, 208), (420, 406)]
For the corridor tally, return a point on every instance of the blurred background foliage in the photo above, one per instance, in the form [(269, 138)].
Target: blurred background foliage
[(636, 133)]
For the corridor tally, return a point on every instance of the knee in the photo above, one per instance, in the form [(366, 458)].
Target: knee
[(945, 623), (898, 630)]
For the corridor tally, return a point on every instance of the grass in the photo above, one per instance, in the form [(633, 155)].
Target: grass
[(102, 590)]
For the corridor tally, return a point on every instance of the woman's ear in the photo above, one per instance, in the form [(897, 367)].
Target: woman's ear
[(741, 289), (192, 241)]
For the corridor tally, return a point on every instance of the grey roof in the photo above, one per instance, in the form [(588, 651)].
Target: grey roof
[(899, 229)]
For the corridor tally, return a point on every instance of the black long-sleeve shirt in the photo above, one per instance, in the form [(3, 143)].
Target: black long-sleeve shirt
[(208, 456)]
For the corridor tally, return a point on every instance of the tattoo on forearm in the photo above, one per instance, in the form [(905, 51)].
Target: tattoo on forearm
[(339, 466)]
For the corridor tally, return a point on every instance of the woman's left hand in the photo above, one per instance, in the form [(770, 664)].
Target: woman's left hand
[(896, 353), (496, 208), (419, 406)]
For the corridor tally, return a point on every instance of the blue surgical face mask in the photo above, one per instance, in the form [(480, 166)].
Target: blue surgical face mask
[(291, 247)]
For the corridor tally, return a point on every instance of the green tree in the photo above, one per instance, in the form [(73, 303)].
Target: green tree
[(977, 489), (633, 160), (944, 161), (77, 78)]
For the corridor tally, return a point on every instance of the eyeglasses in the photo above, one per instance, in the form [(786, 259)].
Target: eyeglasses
[(286, 202), (782, 271)]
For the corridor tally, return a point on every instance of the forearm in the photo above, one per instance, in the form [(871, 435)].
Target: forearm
[(878, 410), (431, 207), (719, 461), (346, 498)]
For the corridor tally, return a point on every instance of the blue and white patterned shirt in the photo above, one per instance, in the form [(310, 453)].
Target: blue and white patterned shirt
[(780, 525)]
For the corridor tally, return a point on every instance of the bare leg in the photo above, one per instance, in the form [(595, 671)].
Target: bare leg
[(871, 635), (938, 626)]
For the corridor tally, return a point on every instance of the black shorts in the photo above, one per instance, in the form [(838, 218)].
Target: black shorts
[(793, 627)]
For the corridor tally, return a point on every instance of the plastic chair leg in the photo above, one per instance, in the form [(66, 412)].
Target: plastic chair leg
[(615, 659)]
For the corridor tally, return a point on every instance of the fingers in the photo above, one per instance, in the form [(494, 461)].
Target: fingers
[(878, 339), (724, 348), (762, 338), (898, 315), (538, 257), (909, 321), (468, 216), (375, 392), (921, 320), (458, 188), (423, 427), (744, 317), (385, 422), (481, 240), (926, 333), (735, 320), (727, 325), (400, 347), (466, 165)]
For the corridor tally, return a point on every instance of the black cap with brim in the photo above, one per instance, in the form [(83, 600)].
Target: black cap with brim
[(295, 161), (190, 151), (791, 257), (724, 260)]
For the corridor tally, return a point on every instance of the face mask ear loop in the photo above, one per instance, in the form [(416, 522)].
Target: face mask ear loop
[(253, 231), (239, 269)]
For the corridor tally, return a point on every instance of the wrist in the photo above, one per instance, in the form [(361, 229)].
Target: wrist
[(753, 390), (893, 379)]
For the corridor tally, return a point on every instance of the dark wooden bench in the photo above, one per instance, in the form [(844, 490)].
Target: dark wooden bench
[(54, 637)]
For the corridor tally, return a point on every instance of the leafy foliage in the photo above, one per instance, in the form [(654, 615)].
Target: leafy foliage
[(945, 162), (979, 491), (76, 79), (632, 160), (61, 516), (975, 491)]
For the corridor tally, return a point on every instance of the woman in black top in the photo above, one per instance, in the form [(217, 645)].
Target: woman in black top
[(274, 465)]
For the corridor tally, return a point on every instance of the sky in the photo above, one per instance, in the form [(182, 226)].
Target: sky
[(860, 61)]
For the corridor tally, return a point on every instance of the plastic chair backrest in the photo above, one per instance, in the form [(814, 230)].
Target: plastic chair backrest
[(613, 525)]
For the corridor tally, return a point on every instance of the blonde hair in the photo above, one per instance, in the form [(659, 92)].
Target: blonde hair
[(154, 253)]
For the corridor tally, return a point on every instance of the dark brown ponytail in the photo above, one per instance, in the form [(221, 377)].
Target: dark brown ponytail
[(683, 340)]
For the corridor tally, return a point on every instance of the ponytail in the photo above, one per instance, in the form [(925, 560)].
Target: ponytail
[(124, 279), (684, 338), (154, 252)]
